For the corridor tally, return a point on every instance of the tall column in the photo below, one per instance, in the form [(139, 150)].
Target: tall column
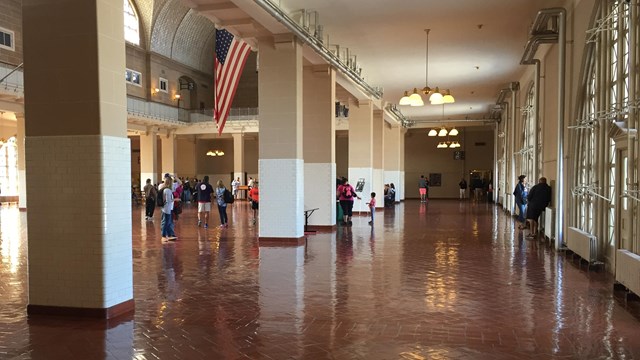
[(149, 158), (280, 163), (361, 150), (168, 144), (238, 158), (22, 177), (403, 192), (320, 144), (378, 158), (392, 159), (80, 252)]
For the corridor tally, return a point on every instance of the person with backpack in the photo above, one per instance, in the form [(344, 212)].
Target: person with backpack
[(222, 204), (346, 194), (167, 208), (150, 194)]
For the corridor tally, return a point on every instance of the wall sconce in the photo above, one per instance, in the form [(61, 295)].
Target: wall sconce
[(177, 97), (155, 91), (215, 153)]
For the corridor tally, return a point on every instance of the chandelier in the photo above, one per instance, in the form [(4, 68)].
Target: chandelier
[(436, 96), (215, 153)]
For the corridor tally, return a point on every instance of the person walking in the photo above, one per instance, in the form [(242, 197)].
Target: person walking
[(538, 199), (222, 205), (372, 207), (422, 188), (167, 225), (254, 197), (150, 194), (204, 191), (346, 194), (463, 188), (520, 196)]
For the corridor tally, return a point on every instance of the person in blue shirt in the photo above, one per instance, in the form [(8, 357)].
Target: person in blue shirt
[(520, 195)]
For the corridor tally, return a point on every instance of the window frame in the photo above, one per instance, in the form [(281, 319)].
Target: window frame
[(130, 81), (164, 81), (13, 39)]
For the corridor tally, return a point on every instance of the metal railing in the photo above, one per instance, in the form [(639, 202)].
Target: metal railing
[(11, 77)]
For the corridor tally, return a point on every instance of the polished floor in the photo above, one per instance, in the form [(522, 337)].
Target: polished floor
[(445, 280)]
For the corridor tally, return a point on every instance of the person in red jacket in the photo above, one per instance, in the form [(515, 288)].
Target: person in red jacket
[(254, 196)]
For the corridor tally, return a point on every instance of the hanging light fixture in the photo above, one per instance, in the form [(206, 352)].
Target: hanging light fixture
[(435, 96), (215, 153), (442, 132), (453, 132), (442, 145), (433, 132)]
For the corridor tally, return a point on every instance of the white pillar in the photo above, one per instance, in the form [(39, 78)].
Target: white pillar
[(238, 158), (377, 147), (80, 249), (22, 174), (168, 143), (361, 150), (319, 144), (280, 161), (149, 158), (392, 158)]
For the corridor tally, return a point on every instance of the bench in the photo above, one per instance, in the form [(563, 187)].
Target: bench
[(307, 214)]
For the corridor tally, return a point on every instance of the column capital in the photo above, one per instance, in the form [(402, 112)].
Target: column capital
[(19, 115)]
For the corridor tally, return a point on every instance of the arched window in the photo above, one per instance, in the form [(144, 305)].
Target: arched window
[(131, 24), (9, 168)]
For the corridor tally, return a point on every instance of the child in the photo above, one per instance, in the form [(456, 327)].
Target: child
[(372, 206)]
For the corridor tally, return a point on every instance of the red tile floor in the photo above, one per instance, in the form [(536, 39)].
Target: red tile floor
[(446, 280)]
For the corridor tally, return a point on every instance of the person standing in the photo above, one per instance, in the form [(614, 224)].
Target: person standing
[(222, 205), (422, 188), (520, 196), (250, 183), (167, 219), (346, 194), (204, 191), (538, 199), (234, 186), (254, 197), (150, 194), (463, 188), (372, 207)]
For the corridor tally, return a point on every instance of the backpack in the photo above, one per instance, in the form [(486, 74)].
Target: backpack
[(227, 196), (346, 192), (160, 198)]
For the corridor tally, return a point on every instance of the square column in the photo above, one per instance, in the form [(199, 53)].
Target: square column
[(149, 158), (361, 150), (80, 249), (378, 159), (402, 192), (22, 175), (319, 144), (392, 160), (169, 149), (280, 163), (238, 158)]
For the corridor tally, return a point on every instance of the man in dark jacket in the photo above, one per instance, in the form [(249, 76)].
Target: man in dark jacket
[(538, 199)]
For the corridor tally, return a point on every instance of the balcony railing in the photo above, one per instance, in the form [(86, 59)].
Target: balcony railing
[(12, 77)]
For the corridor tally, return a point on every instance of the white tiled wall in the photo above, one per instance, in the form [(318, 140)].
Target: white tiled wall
[(22, 188), (354, 175), (320, 192), (79, 221), (281, 198), (403, 192)]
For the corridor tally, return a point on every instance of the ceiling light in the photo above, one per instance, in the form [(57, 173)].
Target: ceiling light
[(442, 145), (433, 132), (405, 99), (215, 153), (452, 145), (435, 97), (442, 132), (453, 132)]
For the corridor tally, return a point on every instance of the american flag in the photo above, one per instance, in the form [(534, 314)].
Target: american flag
[(231, 54)]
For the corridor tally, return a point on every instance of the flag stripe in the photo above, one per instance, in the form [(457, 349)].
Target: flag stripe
[(231, 56)]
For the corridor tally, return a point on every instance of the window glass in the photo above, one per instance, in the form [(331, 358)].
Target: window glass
[(131, 24)]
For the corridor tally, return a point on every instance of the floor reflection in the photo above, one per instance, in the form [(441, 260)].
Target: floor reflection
[(441, 280)]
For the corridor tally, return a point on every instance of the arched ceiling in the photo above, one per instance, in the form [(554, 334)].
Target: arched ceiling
[(175, 31)]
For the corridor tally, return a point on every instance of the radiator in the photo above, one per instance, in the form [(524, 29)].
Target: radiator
[(628, 270), (582, 243), (549, 223)]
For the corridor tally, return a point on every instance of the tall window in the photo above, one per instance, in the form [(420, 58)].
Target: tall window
[(9, 168), (529, 167), (131, 24)]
